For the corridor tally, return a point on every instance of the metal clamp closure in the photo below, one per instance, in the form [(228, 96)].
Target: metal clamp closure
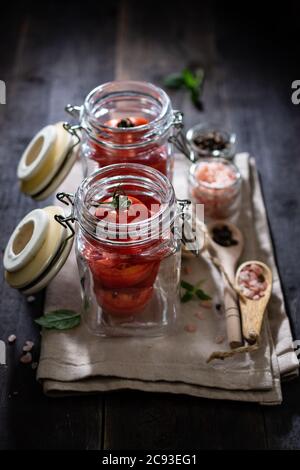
[(66, 222), (178, 138)]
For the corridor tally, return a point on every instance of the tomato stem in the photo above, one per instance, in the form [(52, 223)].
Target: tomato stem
[(119, 201), (124, 123)]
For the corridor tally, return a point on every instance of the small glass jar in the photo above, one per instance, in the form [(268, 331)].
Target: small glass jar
[(129, 270), (209, 140), (127, 122), (216, 183)]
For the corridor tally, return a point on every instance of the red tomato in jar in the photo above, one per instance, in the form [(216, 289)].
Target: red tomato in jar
[(135, 212), (118, 274), (153, 155), (125, 302)]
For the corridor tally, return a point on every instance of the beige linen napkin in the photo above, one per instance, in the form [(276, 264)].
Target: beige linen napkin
[(76, 362)]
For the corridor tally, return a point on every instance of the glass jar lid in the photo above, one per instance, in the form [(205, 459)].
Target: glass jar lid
[(47, 160), (37, 250)]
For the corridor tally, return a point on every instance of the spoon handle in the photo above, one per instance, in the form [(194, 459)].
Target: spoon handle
[(232, 315)]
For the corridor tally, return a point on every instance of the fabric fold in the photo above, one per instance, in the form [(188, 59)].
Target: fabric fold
[(74, 361)]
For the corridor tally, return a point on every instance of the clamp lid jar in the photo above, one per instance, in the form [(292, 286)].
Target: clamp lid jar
[(127, 122), (127, 251)]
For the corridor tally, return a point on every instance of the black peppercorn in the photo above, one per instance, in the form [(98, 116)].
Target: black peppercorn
[(223, 236), (211, 141)]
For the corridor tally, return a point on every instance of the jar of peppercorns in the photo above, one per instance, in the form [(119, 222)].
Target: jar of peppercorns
[(210, 140)]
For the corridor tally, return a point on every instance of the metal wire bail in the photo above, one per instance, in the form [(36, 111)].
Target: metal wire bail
[(65, 198), (73, 110), (66, 222), (178, 138), (73, 130), (183, 203)]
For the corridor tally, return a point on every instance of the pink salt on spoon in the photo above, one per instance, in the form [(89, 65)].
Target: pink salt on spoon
[(254, 279)]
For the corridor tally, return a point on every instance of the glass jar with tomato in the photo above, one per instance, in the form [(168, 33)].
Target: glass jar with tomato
[(127, 122), (128, 250)]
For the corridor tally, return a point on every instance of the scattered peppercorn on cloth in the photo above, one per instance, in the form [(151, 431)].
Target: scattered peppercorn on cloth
[(75, 361)]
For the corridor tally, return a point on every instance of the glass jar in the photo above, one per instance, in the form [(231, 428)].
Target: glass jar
[(127, 122), (128, 257), (210, 140), (216, 183)]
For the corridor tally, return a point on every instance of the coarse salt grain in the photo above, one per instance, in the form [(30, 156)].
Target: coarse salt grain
[(216, 185), (26, 358), (11, 339), (28, 346), (252, 282), (216, 174), (219, 339), (190, 328), (199, 315)]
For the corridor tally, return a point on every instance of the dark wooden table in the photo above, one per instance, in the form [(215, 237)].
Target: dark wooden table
[(55, 54)]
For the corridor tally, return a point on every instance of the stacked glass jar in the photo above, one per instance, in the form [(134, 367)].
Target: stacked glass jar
[(127, 122), (127, 250), (125, 211)]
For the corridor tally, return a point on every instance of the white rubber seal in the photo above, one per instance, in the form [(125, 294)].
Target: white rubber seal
[(70, 159), (34, 155), (26, 240), (52, 273)]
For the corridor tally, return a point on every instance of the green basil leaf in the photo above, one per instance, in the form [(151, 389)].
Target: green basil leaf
[(199, 74), (202, 295), (187, 285), (187, 297), (190, 79), (174, 80), (59, 319)]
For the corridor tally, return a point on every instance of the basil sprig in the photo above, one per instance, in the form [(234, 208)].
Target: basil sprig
[(59, 320), (193, 81), (119, 201), (192, 292)]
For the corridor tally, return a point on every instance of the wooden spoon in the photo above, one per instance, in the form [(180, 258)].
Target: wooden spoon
[(228, 256), (252, 311)]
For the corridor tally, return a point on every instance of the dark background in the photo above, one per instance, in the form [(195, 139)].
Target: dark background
[(52, 54)]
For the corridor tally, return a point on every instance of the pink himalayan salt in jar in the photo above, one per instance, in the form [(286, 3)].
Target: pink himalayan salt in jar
[(216, 183)]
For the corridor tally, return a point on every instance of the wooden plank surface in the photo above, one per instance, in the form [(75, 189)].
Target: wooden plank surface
[(49, 60), (46, 66)]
